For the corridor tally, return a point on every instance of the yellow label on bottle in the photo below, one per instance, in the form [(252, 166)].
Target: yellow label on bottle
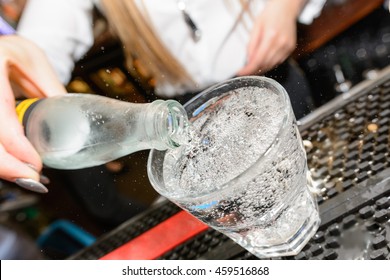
[(22, 107)]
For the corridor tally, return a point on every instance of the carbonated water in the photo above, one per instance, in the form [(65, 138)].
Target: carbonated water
[(244, 173)]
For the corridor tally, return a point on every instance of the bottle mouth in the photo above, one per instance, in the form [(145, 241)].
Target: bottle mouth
[(177, 124)]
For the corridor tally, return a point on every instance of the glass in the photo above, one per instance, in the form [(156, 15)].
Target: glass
[(74, 131), (244, 172)]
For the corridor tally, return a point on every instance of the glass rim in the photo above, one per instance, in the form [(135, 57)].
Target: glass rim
[(287, 110)]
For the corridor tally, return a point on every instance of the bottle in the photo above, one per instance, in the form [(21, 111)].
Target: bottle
[(75, 131)]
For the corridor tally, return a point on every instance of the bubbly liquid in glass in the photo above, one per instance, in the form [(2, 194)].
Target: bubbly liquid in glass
[(264, 208)]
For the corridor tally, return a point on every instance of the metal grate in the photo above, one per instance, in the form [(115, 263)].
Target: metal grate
[(361, 234), (351, 145)]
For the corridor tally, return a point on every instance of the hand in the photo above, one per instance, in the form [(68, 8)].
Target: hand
[(273, 37), (24, 70)]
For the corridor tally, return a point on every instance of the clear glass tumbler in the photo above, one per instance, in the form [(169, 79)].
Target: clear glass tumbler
[(244, 170)]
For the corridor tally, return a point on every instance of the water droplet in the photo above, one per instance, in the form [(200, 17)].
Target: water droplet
[(206, 141)]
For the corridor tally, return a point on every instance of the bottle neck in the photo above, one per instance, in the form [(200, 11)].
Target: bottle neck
[(170, 124)]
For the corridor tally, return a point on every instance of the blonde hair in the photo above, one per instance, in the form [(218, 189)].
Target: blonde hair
[(141, 44)]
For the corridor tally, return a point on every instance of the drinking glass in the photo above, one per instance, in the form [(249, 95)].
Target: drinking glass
[(244, 171)]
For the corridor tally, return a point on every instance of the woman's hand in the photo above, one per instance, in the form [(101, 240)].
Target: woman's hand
[(273, 37), (24, 71)]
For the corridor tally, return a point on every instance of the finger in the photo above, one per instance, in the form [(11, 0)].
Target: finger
[(31, 70), (16, 144), (274, 59), (260, 58), (12, 168), (39, 83), (255, 39), (12, 136), (272, 51), (249, 69), (39, 79)]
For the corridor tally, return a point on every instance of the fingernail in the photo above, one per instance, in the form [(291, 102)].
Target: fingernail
[(31, 185), (44, 180)]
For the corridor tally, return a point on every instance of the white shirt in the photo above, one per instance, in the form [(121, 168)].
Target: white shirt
[(63, 28)]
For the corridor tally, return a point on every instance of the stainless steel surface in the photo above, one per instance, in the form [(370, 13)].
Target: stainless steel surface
[(340, 101)]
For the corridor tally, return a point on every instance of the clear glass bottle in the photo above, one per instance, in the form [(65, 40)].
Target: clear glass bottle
[(75, 131)]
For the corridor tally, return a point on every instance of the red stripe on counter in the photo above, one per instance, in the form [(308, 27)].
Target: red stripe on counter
[(160, 239)]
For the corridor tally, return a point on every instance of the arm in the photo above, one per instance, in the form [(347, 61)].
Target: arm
[(274, 35), (23, 69)]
